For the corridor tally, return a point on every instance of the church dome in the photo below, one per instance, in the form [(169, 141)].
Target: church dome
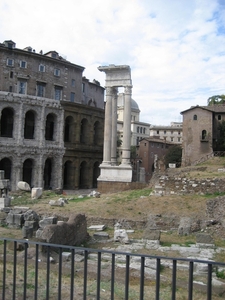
[(120, 102)]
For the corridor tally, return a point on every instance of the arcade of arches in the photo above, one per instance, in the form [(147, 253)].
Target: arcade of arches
[(50, 145)]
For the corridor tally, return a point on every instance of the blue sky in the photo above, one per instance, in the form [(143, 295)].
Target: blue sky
[(175, 48)]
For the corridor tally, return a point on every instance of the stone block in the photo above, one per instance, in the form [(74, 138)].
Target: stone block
[(47, 221), (36, 193), (101, 235), (204, 238), (27, 232), (151, 234), (23, 186), (5, 202)]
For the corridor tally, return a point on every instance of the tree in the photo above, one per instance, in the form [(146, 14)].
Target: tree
[(173, 156), (217, 99), (220, 143)]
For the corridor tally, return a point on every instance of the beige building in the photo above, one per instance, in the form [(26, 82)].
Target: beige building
[(201, 132), (172, 133), (52, 120)]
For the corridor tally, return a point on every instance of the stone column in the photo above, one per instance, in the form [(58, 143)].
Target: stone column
[(108, 127), (126, 126), (114, 128)]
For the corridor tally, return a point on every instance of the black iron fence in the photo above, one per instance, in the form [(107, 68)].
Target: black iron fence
[(34, 270)]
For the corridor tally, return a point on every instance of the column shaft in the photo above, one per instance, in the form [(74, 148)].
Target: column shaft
[(114, 128), (108, 128), (127, 127)]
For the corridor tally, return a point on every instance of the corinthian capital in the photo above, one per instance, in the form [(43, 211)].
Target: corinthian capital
[(127, 89)]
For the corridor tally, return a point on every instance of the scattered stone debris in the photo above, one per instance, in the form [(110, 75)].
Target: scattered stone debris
[(23, 186), (94, 194), (59, 202), (120, 235), (36, 193), (97, 227)]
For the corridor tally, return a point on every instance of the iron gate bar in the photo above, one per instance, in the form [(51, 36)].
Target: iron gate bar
[(36, 273), (127, 277), (72, 277), (60, 274), (157, 285), (142, 277), (174, 277), (209, 283), (25, 271), (4, 270), (14, 270), (112, 275), (48, 272), (85, 274), (98, 275), (190, 281)]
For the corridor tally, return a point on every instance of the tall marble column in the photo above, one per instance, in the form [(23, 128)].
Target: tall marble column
[(126, 126), (114, 128), (108, 127)]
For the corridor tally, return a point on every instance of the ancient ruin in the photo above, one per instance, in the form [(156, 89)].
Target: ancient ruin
[(116, 76)]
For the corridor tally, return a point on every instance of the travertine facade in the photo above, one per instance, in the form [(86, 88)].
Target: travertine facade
[(200, 132), (52, 120)]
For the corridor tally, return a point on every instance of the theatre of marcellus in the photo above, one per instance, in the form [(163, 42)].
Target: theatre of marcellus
[(52, 120)]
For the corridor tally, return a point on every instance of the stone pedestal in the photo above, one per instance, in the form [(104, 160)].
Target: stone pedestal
[(116, 173)]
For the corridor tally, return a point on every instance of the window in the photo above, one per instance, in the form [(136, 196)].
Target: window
[(179, 132), (157, 131), (58, 93), (83, 87), (22, 86), (144, 130), (10, 62), (164, 131), (178, 139), (138, 129), (40, 89), (219, 117), (73, 82), (72, 97), (23, 64), (204, 133), (11, 74), (10, 89), (171, 139), (195, 117), (57, 72), (41, 68)]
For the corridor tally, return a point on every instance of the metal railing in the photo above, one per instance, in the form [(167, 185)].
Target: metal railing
[(49, 271)]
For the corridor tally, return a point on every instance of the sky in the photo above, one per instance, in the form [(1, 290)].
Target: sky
[(175, 48)]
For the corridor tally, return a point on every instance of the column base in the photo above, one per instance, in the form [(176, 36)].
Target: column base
[(121, 173)]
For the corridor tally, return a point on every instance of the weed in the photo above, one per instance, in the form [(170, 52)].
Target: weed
[(220, 274)]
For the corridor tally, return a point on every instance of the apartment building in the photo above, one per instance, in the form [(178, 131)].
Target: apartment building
[(52, 120)]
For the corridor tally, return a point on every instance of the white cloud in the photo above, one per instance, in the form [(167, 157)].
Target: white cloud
[(175, 48)]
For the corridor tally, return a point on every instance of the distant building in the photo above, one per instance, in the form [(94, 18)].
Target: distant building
[(139, 130), (150, 155), (52, 120), (201, 132), (172, 133)]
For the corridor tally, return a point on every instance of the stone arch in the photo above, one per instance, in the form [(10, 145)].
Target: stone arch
[(96, 173), (84, 175), (50, 127), (29, 125), (98, 130), (47, 173), (6, 165), (28, 171), (7, 120), (68, 175), (68, 129), (84, 131)]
